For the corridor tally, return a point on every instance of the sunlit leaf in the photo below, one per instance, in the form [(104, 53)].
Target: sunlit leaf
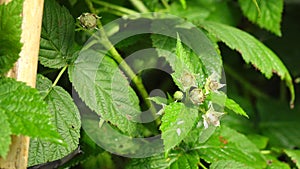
[(227, 144), (10, 34), (26, 112), (232, 105), (177, 122)]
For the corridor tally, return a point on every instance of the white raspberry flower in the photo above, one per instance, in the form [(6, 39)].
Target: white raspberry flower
[(211, 117), (212, 83)]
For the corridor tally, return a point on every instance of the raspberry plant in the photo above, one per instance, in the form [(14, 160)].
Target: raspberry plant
[(194, 121)]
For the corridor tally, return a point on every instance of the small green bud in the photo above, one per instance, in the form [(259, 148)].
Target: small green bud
[(178, 95), (88, 20)]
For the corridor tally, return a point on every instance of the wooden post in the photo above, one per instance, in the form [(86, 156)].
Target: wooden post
[(25, 70)]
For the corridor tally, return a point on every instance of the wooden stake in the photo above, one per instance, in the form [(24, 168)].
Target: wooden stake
[(25, 70)]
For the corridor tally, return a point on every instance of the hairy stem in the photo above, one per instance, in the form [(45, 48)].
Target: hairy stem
[(126, 68), (139, 6)]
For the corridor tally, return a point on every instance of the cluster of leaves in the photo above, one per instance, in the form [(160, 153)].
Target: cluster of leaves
[(190, 127), (47, 114)]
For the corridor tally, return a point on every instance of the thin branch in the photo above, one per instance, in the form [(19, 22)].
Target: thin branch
[(126, 68), (121, 9), (139, 5)]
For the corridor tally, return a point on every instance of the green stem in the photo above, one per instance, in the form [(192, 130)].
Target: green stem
[(114, 12), (126, 68), (245, 83), (59, 76), (201, 165), (165, 4), (114, 7), (139, 6), (56, 80)]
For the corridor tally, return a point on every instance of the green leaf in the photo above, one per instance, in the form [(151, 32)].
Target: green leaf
[(268, 16), (159, 100), (294, 155), (26, 112), (227, 144), (186, 160), (155, 162), (175, 160), (67, 120), (203, 10), (57, 39), (5, 133), (274, 163), (228, 164), (105, 90), (252, 51), (10, 34), (177, 122), (232, 105), (260, 141), (190, 36), (279, 123), (187, 65)]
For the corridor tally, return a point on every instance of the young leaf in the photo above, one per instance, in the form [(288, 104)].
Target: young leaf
[(191, 37), (26, 112), (268, 16), (252, 51), (227, 144), (10, 34), (177, 122), (5, 133), (67, 120), (294, 155), (189, 70), (232, 105), (105, 90), (57, 39), (229, 164)]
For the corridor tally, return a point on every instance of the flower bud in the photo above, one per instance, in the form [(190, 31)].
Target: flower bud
[(188, 80), (197, 96), (178, 95), (88, 20)]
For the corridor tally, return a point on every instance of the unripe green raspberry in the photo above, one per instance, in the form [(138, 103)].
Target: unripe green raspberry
[(178, 95)]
